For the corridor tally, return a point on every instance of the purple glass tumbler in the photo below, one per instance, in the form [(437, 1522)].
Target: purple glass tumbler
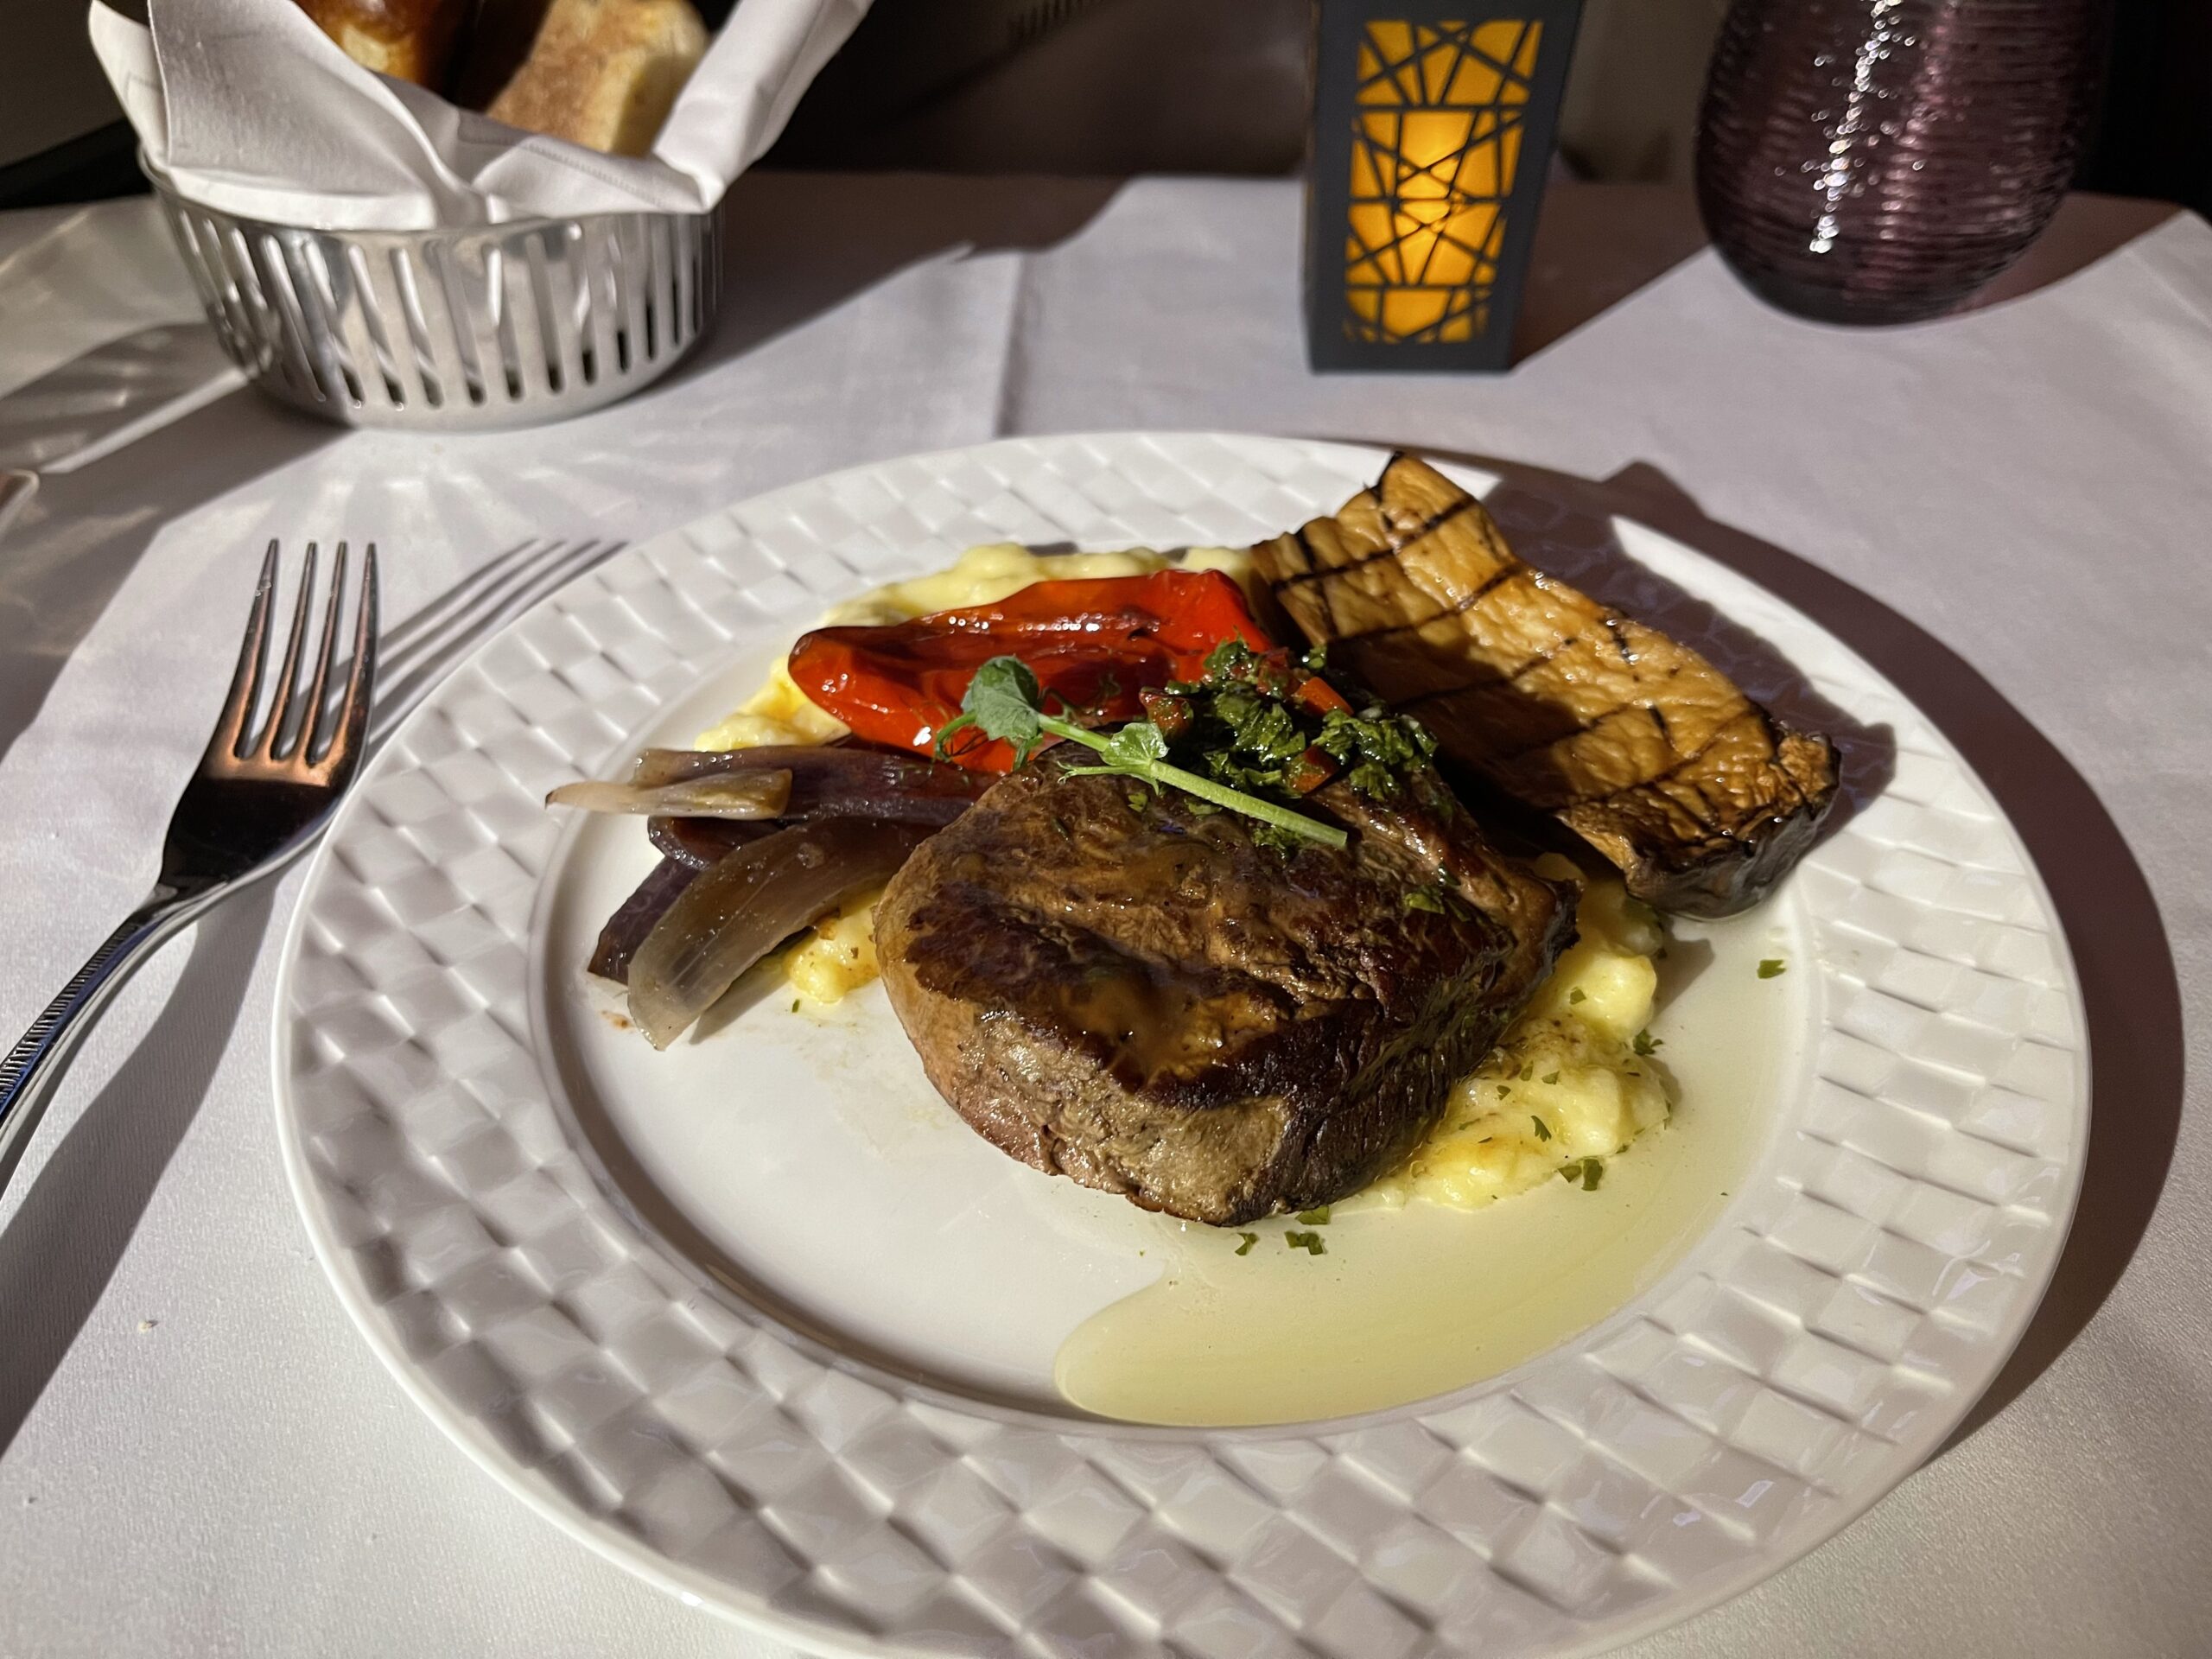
[(1878, 161)]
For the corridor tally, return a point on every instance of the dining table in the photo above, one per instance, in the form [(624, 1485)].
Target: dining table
[(2006, 510)]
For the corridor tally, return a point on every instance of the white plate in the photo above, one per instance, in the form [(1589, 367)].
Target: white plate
[(759, 1320)]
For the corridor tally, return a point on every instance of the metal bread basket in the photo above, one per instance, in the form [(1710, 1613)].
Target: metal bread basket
[(452, 331)]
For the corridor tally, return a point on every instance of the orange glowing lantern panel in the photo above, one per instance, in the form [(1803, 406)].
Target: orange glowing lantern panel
[(1436, 131), (1435, 148)]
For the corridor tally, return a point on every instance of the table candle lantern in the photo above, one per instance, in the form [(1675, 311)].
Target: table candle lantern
[(1433, 128)]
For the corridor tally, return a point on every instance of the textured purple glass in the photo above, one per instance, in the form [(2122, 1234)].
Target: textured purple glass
[(1877, 161)]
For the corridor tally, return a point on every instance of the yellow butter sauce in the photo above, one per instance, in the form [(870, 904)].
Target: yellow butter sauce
[(1416, 1297)]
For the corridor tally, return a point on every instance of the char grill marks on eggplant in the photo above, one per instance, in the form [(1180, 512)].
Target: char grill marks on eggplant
[(1629, 738)]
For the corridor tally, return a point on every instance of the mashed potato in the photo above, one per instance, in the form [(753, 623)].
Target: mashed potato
[(839, 957), (1574, 1079)]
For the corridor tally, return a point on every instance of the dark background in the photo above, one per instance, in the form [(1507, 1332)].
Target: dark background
[(1110, 87)]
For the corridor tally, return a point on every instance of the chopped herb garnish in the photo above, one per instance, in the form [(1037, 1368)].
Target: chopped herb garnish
[(1375, 749), (1251, 1239), (1504, 1090), (1578, 995), (1527, 1069), (1551, 1077), (1309, 1242), (1771, 968), (1258, 727), (794, 1005), (1587, 1171), (1315, 1217), (1647, 1044), (1437, 896), (1003, 701), (1544, 1130)]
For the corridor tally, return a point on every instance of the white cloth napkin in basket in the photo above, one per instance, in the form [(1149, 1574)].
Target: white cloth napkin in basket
[(252, 109)]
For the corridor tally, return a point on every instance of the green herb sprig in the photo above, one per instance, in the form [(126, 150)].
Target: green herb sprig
[(1004, 702)]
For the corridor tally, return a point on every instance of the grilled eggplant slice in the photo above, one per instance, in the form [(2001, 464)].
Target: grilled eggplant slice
[(1630, 739)]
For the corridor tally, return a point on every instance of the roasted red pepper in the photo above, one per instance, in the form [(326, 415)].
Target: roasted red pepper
[(1095, 646)]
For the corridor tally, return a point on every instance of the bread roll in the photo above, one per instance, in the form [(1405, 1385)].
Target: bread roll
[(602, 73), (408, 40)]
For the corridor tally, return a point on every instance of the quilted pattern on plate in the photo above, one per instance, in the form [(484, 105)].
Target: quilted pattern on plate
[(1802, 1358)]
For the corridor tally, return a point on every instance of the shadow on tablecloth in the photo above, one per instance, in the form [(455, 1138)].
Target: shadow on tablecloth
[(83, 534), (84, 1201), (798, 245), (1596, 244), (2118, 939)]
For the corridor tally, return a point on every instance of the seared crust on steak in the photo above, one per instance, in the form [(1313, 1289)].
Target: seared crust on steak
[(1150, 1003)]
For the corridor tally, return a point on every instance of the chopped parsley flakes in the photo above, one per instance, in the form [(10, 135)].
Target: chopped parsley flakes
[(1309, 1242), (1771, 968), (1588, 1171), (1251, 1239)]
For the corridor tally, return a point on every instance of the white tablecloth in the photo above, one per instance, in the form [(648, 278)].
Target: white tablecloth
[(197, 1453)]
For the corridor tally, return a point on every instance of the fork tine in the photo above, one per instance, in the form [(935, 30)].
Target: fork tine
[(345, 750), (311, 710), (229, 735), (285, 693)]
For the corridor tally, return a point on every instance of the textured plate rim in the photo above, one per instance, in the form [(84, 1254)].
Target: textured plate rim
[(698, 1589)]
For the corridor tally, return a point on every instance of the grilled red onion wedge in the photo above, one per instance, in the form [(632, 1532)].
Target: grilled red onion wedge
[(839, 782), (756, 794), (731, 916)]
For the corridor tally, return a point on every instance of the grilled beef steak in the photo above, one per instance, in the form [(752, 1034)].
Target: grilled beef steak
[(1630, 739), (1110, 986)]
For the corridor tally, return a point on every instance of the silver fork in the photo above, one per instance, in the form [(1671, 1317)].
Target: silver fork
[(261, 792)]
